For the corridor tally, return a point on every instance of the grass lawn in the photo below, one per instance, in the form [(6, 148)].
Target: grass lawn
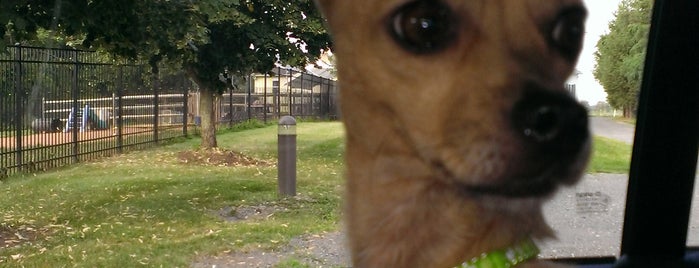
[(150, 209), (630, 121), (609, 156)]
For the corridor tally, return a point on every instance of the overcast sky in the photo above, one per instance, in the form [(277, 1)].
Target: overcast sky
[(601, 12)]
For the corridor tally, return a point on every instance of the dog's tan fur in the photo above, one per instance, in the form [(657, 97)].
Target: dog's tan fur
[(420, 126)]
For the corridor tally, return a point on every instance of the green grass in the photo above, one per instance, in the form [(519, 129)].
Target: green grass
[(630, 121), (148, 209), (609, 156)]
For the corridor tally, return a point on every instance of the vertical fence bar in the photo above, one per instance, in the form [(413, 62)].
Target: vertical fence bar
[(3, 113), (3, 127), (113, 121), (303, 89), (249, 102), (185, 108), (314, 84), (291, 96), (278, 92), (156, 106), (73, 121), (327, 100), (264, 102), (19, 92), (119, 111), (321, 86), (320, 99), (230, 106)]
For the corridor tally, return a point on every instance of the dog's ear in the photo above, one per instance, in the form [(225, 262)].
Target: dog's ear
[(326, 7)]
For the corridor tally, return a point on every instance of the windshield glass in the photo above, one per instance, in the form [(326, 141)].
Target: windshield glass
[(76, 86), (588, 217), (693, 234)]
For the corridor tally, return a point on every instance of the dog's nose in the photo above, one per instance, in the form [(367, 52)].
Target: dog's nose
[(552, 120)]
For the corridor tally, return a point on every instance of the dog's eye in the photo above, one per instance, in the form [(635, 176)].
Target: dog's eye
[(423, 26), (568, 30)]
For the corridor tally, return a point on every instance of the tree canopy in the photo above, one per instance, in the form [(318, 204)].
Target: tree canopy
[(620, 54), (205, 38)]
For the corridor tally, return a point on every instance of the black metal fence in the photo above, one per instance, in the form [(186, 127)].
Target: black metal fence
[(284, 91), (59, 107)]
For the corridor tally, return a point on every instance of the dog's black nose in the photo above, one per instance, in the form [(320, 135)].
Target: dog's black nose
[(552, 120)]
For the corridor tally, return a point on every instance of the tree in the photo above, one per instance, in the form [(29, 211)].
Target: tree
[(206, 38), (621, 53), (263, 33)]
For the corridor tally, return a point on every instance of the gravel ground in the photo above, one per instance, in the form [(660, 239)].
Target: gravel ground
[(321, 250)]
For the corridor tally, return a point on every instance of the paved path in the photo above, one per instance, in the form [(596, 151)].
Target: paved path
[(588, 216), (609, 128)]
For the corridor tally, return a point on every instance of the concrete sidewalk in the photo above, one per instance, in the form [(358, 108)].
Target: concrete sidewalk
[(609, 128), (588, 217)]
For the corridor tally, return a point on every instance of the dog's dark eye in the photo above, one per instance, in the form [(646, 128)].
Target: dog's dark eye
[(423, 26), (568, 30)]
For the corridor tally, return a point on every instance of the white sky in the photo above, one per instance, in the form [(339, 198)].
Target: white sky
[(600, 13)]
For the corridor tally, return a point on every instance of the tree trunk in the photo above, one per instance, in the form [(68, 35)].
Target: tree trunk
[(208, 119)]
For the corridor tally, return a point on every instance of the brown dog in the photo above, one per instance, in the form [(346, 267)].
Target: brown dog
[(458, 125)]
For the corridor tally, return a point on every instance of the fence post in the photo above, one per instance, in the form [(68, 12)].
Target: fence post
[(230, 106), (264, 100), (328, 99), (43, 108), (291, 96), (313, 95), (249, 99), (302, 105), (19, 92), (185, 109), (321, 85), (118, 112), (76, 95), (278, 92), (156, 106)]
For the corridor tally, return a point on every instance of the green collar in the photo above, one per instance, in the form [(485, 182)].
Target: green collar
[(510, 257)]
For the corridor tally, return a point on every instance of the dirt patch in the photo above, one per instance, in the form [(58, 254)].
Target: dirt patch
[(12, 237), (314, 250), (326, 249), (219, 157), (261, 211), (245, 212)]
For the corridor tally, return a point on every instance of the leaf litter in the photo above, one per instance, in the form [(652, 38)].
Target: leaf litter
[(220, 157)]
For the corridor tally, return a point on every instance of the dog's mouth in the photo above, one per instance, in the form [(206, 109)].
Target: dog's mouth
[(539, 182), (547, 144)]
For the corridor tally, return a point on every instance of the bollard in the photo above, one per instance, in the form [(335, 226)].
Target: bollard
[(286, 150)]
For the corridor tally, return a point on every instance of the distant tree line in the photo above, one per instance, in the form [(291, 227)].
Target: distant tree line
[(621, 54)]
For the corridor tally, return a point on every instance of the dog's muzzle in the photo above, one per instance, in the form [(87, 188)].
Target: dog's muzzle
[(552, 128), (551, 122)]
